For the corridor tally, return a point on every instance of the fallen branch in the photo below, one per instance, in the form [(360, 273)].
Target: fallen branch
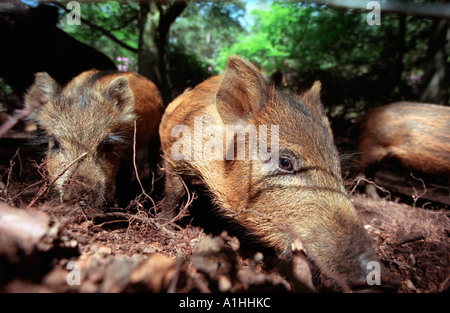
[(414, 236)]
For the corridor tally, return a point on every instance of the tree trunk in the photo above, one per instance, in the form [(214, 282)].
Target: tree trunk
[(400, 53), (436, 76), (154, 23)]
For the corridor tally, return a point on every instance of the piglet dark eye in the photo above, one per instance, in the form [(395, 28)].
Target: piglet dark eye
[(54, 145), (106, 146), (285, 163)]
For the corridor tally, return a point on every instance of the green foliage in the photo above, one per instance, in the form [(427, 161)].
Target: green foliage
[(120, 19), (355, 61), (294, 35), (195, 38), (358, 64), (204, 28)]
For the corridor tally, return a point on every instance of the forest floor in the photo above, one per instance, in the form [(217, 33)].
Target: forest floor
[(54, 247)]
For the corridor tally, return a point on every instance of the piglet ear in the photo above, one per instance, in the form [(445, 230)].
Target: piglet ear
[(120, 94), (243, 91), (312, 96), (43, 90)]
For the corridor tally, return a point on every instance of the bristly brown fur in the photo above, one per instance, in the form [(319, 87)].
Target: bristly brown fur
[(308, 203), (416, 134), (94, 114)]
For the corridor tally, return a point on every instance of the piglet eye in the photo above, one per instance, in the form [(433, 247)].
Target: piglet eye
[(106, 146), (54, 145), (285, 163)]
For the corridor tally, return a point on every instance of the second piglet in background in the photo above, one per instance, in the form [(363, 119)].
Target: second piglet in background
[(90, 127), (416, 134)]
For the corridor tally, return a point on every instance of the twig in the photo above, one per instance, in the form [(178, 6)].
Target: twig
[(46, 186), (132, 218), (136, 169), (369, 182), (38, 167), (416, 196), (8, 179), (183, 211), (11, 165), (105, 32)]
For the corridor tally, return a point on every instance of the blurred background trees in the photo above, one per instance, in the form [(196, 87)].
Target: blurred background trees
[(359, 65), (177, 44)]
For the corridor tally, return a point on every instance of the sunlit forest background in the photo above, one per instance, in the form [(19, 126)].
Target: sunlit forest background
[(178, 44)]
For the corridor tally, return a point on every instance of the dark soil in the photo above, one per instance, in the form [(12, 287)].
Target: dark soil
[(132, 250)]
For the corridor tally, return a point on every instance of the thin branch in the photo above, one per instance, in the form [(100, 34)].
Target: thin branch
[(5, 190), (136, 169), (124, 24), (105, 32), (184, 210), (369, 182), (46, 186), (416, 196)]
